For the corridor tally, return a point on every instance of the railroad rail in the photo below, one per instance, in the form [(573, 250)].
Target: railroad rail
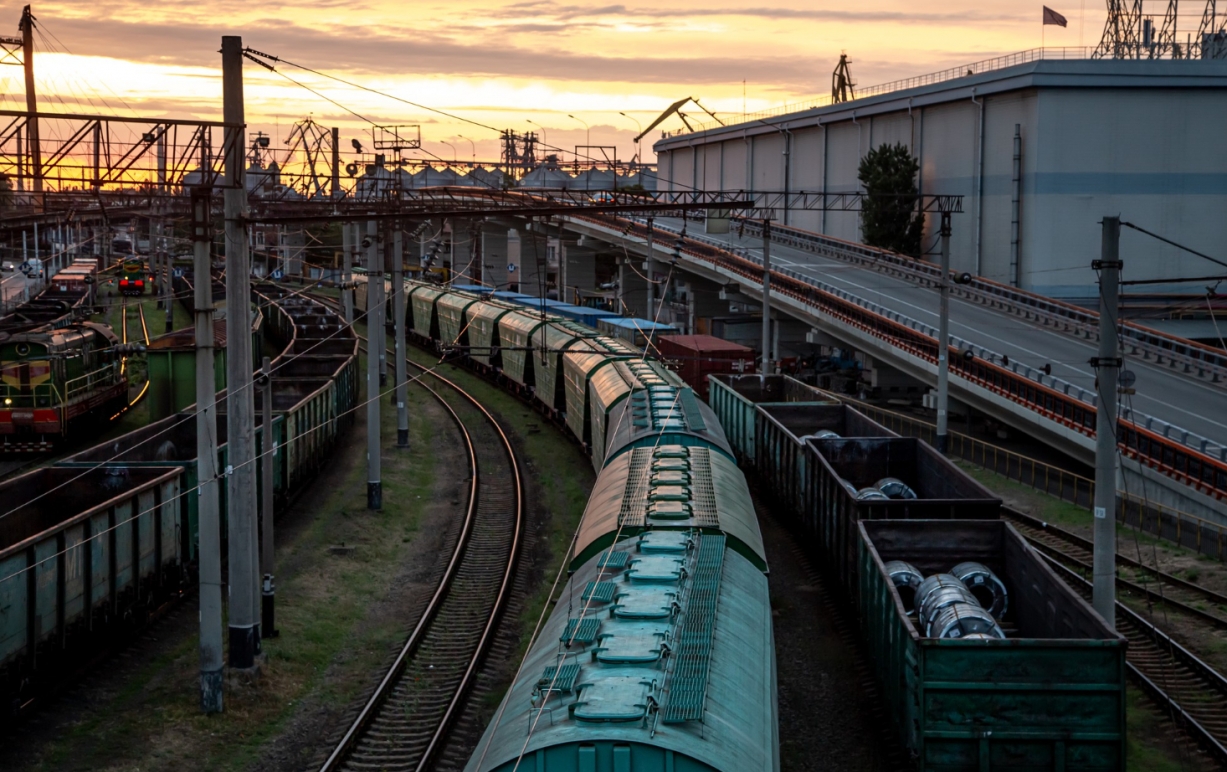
[(1187, 465), (404, 724), (1180, 683), (1076, 552)]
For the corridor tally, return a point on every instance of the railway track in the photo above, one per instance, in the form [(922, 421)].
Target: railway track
[(1075, 552), (1186, 689), (405, 722)]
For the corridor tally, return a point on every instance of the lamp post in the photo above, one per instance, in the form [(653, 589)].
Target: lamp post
[(471, 142), (639, 126), (544, 139), (453, 147), (587, 129)]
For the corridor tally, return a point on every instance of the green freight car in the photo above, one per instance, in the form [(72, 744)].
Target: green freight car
[(1049, 696), (736, 397)]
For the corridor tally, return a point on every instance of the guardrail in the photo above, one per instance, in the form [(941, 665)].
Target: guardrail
[(975, 68), (1203, 536), (1183, 355), (905, 267), (1190, 467)]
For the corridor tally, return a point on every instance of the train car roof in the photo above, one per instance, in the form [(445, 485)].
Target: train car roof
[(599, 676), (672, 415), (670, 486)]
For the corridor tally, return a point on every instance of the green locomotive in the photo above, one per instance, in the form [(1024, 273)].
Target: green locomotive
[(53, 378)]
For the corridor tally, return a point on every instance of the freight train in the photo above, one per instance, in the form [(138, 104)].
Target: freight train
[(93, 545), (661, 656), (658, 654)]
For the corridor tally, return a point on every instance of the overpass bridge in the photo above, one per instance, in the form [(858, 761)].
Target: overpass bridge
[(1173, 431)]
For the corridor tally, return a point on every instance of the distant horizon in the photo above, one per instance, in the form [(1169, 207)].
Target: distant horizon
[(520, 66)]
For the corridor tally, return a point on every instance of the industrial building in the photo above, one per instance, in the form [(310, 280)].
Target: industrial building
[(1136, 138)]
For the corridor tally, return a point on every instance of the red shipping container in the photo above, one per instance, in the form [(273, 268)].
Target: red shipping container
[(697, 356)]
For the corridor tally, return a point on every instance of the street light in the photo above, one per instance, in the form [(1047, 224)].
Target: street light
[(544, 139), (639, 126), (453, 147), (471, 142), (588, 136)]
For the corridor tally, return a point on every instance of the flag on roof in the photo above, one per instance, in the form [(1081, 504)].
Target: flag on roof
[(1052, 17)]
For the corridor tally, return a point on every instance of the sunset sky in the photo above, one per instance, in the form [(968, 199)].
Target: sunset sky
[(505, 64)]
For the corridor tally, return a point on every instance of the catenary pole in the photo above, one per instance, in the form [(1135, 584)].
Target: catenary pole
[(209, 544), (382, 246), (168, 303), (243, 537), (398, 308), (348, 234), (943, 341), (650, 270), (268, 447), (766, 297), (1107, 367), (375, 345)]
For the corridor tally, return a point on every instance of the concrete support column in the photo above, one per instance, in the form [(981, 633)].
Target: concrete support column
[(243, 538)]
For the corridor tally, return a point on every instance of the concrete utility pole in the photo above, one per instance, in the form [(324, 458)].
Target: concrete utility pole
[(27, 61), (1107, 367), (209, 519), (349, 235), (943, 341), (268, 590), (336, 164), (398, 308), (377, 257), (651, 269), (766, 297), (243, 538), (374, 353), (167, 289)]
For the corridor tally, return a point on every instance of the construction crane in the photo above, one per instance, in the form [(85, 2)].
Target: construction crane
[(841, 82), (676, 107), (315, 143)]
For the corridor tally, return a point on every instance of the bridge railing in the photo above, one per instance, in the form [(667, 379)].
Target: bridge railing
[(1187, 356), (1190, 467), (927, 274)]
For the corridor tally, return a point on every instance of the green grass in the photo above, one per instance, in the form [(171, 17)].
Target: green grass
[(1147, 748), (328, 647)]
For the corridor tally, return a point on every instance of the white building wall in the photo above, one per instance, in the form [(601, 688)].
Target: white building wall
[(1157, 159), (1138, 147), (1001, 114), (735, 164)]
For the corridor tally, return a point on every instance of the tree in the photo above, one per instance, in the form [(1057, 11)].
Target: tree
[(888, 216)]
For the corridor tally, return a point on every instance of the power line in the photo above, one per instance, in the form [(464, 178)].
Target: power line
[(1202, 255), (250, 51)]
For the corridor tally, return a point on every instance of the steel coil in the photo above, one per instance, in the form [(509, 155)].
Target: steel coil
[(989, 590), (906, 580), (895, 488), (960, 620)]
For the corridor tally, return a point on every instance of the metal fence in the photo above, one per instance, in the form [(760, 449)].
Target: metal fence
[(975, 68), (1189, 531)]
